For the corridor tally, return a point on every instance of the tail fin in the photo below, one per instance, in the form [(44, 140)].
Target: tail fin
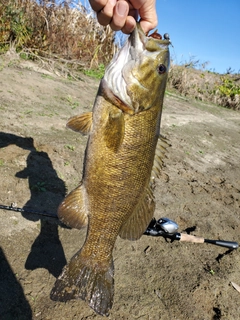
[(82, 280)]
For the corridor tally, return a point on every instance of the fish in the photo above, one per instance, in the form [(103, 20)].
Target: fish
[(123, 156)]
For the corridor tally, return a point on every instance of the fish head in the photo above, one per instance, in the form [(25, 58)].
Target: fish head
[(137, 75)]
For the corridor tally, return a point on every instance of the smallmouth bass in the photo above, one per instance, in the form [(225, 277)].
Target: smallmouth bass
[(124, 152)]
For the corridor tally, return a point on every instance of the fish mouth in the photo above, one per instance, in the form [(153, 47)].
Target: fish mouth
[(139, 42), (137, 45)]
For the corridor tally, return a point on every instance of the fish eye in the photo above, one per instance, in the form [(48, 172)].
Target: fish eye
[(161, 69)]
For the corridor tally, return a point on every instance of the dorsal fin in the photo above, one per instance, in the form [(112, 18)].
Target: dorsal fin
[(139, 220), (81, 123), (160, 154), (72, 211)]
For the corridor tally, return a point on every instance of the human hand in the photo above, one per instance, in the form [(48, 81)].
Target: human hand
[(122, 14)]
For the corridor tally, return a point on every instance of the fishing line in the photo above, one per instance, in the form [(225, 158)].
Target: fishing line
[(12, 207)]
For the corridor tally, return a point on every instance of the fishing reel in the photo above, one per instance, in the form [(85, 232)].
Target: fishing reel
[(162, 227), (167, 228)]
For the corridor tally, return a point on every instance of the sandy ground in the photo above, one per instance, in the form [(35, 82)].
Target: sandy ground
[(40, 160)]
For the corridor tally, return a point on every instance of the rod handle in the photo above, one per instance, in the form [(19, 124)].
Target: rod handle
[(188, 238)]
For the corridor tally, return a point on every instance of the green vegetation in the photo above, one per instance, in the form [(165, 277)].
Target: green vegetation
[(70, 147), (229, 90), (47, 76), (73, 103), (212, 272), (39, 187), (223, 90), (14, 29), (96, 73)]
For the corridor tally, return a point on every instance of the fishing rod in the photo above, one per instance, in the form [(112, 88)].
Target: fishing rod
[(12, 207), (163, 227), (167, 228)]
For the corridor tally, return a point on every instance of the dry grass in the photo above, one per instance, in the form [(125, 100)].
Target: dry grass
[(54, 29)]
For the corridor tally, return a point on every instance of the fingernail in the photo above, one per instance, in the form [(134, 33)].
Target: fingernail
[(121, 8)]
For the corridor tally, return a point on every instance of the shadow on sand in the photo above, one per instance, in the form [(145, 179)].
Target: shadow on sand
[(47, 191), (12, 300)]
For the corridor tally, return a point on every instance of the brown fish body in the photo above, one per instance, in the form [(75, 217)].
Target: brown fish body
[(115, 181), (116, 193)]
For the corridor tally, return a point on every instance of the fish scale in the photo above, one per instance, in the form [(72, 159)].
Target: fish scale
[(123, 155)]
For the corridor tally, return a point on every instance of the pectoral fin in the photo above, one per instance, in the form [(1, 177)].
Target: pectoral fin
[(81, 123), (114, 130), (72, 211), (138, 222)]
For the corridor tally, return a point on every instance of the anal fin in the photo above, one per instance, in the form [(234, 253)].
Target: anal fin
[(72, 211), (160, 154), (139, 220)]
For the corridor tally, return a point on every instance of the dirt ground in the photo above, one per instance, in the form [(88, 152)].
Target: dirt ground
[(40, 160)]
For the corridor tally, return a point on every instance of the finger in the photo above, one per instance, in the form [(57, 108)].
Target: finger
[(137, 4), (133, 13), (129, 26), (147, 26), (120, 13), (147, 12), (98, 5), (148, 18), (104, 16)]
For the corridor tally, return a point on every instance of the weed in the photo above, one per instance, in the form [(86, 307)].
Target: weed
[(24, 56), (95, 73), (205, 85), (44, 114), (73, 104), (47, 76), (28, 112), (14, 25), (39, 187), (70, 147), (229, 91), (1, 162)]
